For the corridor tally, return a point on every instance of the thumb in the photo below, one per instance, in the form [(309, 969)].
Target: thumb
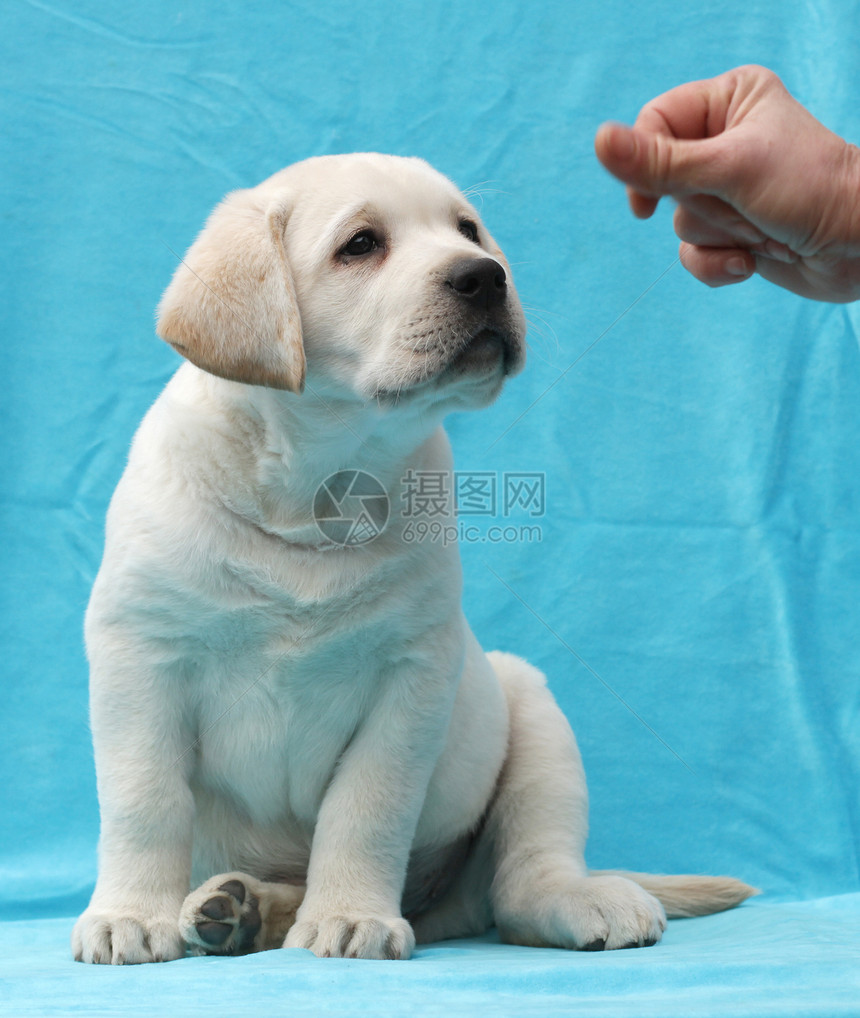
[(654, 164)]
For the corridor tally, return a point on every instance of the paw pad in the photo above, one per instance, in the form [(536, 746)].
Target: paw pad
[(227, 923)]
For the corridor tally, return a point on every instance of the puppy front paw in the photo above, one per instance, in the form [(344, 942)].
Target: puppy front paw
[(108, 938), (353, 936)]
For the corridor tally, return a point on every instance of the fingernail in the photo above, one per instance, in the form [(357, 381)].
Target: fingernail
[(737, 267), (623, 143), (779, 252)]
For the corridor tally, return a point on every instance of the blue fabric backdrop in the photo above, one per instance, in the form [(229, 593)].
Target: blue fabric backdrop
[(695, 592)]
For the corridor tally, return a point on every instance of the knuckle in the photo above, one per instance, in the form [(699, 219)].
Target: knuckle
[(660, 161)]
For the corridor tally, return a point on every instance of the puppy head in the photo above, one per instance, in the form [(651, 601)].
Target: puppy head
[(373, 273)]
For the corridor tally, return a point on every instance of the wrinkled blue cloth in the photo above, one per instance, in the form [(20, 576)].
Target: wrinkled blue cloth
[(783, 959), (688, 573)]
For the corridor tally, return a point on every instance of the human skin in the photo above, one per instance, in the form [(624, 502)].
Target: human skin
[(761, 186)]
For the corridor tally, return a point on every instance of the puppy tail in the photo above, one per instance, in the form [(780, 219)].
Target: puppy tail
[(684, 896)]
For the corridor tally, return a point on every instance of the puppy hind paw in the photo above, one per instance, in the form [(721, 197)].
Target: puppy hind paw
[(592, 914), (221, 917)]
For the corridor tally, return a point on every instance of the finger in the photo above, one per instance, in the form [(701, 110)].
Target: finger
[(696, 110), (720, 267), (709, 222), (800, 279), (717, 266), (776, 251), (693, 111), (641, 205), (707, 108), (695, 230), (654, 165), (613, 146)]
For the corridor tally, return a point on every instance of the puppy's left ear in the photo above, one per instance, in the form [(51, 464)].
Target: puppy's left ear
[(231, 306)]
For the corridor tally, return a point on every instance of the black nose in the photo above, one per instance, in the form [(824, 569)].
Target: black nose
[(480, 281)]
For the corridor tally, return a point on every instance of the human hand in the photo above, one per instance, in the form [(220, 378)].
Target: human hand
[(761, 185)]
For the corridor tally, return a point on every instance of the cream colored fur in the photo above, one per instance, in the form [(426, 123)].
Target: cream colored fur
[(313, 726)]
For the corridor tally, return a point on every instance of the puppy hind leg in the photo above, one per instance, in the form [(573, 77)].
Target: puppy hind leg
[(234, 913), (542, 894), (464, 910)]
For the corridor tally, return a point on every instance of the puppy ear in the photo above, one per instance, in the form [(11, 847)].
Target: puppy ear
[(231, 306)]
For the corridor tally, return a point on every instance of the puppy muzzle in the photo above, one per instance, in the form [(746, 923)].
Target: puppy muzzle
[(487, 351), (481, 288)]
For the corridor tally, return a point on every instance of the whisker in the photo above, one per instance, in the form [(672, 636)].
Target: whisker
[(544, 330)]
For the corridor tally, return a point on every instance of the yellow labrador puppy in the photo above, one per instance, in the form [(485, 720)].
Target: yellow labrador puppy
[(303, 721)]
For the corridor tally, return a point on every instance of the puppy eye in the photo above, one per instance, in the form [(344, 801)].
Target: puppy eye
[(469, 230), (363, 243)]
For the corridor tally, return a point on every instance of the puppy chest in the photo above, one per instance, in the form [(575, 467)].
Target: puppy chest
[(269, 748)]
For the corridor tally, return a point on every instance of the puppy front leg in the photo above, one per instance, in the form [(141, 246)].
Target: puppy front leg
[(142, 764), (365, 829)]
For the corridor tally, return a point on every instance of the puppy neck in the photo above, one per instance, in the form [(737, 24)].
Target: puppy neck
[(283, 447)]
